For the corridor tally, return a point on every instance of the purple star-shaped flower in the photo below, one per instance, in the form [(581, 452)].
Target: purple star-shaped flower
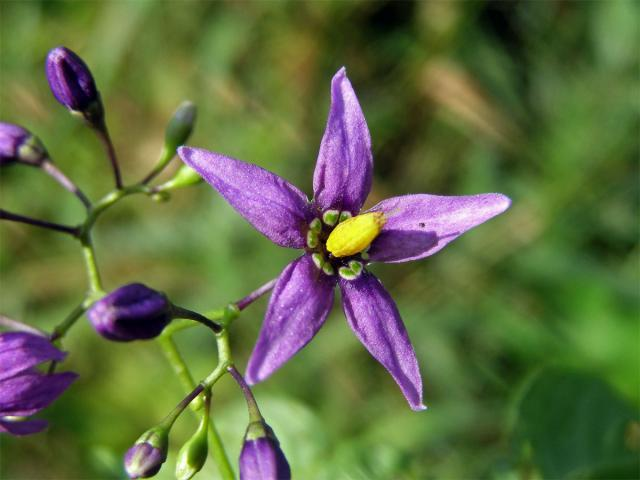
[(339, 241), (24, 390)]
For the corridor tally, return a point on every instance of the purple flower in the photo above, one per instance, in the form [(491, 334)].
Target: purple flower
[(261, 457), (25, 391), (339, 241), (131, 312), (18, 145)]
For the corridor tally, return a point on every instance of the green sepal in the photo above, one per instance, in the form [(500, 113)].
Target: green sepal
[(157, 437), (32, 151)]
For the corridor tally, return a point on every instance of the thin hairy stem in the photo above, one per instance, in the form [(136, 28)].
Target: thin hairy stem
[(252, 405)]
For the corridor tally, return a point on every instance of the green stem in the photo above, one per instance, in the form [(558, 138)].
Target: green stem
[(61, 329), (180, 367), (93, 274)]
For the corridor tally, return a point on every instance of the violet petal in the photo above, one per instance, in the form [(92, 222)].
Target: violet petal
[(263, 459), (374, 318), (343, 174), (276, 208), (22, 427), (19, 351), (28, 393), (299, 305), (420, 225)]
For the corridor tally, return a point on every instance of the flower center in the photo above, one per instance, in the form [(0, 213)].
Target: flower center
[(343, 244), (355, 234)]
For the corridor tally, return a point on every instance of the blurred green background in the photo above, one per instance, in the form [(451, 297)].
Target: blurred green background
[(526, 329)]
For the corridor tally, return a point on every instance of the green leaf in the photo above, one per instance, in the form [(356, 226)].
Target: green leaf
[(577, 427)]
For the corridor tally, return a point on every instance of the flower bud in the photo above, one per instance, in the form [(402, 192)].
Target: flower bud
[(180, 126), (261, 457), (19, 145), (73, 86), (193, 453), (131, 312), (147, 455)]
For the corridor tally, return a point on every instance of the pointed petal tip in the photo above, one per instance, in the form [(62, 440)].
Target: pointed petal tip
[(419, 408), (502, 202)]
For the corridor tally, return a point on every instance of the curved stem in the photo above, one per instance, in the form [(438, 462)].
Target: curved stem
[(103, 135), (54, 172), (256, 294), (252, 405), (180, 312), (14, 217)]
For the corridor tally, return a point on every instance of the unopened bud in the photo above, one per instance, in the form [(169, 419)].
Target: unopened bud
[(131, 312), (73, 86), (180, 126), (193, 453), (147, 455), (19, 145), (261, 457)]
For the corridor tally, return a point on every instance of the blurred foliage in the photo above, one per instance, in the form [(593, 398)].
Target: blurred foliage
[(537, 100)]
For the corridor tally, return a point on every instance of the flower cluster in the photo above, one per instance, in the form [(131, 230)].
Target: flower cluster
[(337, 237)]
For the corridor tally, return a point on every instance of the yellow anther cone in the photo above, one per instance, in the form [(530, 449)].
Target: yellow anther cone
[(355, 234)]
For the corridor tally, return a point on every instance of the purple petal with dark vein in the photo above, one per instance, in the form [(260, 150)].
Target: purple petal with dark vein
[(22, 427), (420, 225), (299, 305), (19, 351), (26, 394), (342, 178), (277, 209), (374, 318)]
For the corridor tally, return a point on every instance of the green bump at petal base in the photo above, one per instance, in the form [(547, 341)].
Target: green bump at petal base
[(312, 239), (328, 269), (348, 274), (315, 225), (355, 267), (330, 217), (344, 216), (318, 260)]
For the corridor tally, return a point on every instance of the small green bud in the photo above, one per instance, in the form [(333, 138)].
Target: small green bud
[(193, 453), (180, 126)]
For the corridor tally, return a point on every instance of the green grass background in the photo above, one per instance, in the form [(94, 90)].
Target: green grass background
[(526, 329)]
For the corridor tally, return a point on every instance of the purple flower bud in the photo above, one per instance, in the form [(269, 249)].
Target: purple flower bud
[(19, 145), (132, 312), (261, 457), (145, 458), (72, 84)]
